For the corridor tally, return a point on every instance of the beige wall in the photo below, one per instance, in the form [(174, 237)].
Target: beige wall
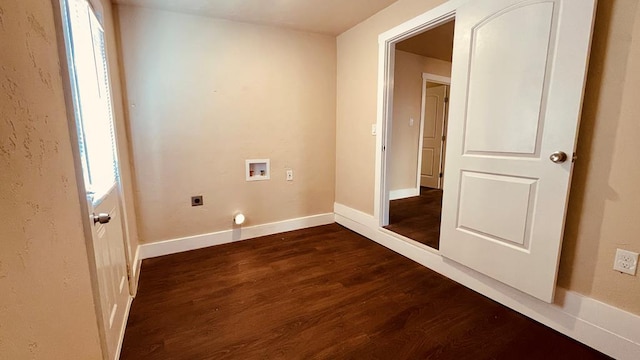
[(206, 94), (604, 202), (407, 103), (356, 101), (605, 195), (46, 303)]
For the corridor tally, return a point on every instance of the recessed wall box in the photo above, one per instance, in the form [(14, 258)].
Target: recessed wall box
[(197, 200), (258, 169)]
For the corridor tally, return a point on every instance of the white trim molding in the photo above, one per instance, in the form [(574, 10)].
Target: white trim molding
[(404, 193), (601, 326), (439, 79), (174, 246)]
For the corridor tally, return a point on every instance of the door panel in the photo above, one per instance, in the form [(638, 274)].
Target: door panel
[(510, 198), (491, 82), (111, 267), (432, 136), (427, 165), (517, 84)]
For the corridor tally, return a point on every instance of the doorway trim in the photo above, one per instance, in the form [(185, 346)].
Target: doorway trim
[(436, 79), (386, 64)]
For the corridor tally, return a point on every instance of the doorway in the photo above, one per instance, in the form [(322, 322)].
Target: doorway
[(508, 158), (416, 161)]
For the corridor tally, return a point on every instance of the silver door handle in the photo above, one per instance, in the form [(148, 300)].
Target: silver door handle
[(558, 157), (101, 218)]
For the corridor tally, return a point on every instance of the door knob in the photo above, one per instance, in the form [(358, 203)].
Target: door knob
[(558, 157), (101, 218)]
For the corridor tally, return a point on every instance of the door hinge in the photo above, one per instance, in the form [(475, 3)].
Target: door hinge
[(446, 99), (384, 148), (128, 271), (441, 174), (444, 138)]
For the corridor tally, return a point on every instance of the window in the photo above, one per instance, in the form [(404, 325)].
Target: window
[(92, 98)]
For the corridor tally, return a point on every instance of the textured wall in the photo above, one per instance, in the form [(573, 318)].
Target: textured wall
[(206, 94), (605, 198), (46, 304)]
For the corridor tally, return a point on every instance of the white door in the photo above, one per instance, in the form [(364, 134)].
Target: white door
[(96, 137), (517, 83), (111, 266), (432, 135)]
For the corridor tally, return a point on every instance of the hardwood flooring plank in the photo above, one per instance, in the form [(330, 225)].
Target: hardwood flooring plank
[(322, 293), (418, 217)]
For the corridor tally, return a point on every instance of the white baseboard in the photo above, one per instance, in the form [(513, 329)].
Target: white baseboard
[(601, 326), (173, 246), (403, 193)]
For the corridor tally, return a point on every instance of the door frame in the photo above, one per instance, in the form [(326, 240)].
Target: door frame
[(386, 64), (85, 216), (436, 79)]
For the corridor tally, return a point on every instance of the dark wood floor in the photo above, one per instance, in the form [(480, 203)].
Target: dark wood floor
[(418, 217), (322, 293)]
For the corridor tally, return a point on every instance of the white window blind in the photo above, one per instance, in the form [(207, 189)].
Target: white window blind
[(92, 99)]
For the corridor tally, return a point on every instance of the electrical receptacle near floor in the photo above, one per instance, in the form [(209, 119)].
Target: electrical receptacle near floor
[(197, 200), (626, 261)]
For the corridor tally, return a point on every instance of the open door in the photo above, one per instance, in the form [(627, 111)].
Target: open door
[(86, 56), (517, 84), (435, 100)]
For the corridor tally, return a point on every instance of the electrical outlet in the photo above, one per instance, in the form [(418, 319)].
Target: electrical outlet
[(196, 200), (626, 261), (289, 175)]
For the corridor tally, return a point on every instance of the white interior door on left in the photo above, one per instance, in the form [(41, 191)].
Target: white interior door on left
[(89, 77)]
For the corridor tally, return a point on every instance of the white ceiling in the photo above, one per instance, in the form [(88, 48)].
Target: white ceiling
[(322, 16)]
